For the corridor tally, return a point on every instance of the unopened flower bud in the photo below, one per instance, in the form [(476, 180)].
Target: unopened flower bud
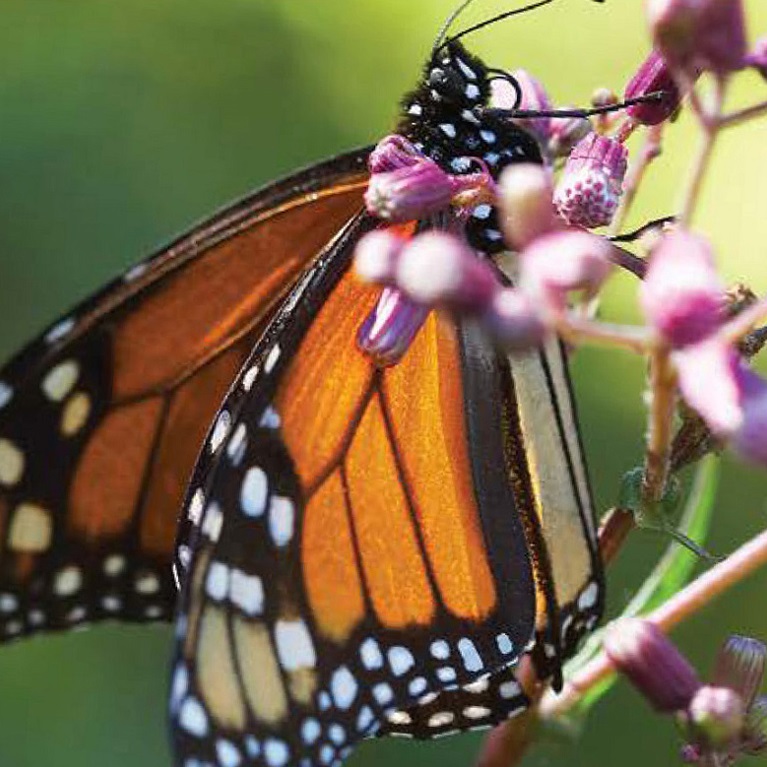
[(525, 203), (699, 34), (513, 321), (565, 133), (755, 729), (603, 97), (376, 256), (681, 295), (534, 96), (590, 188), (388, 331), (439, 268), (409, 193), (758, 57), (740, 666), (391, 153), (715, 717), (558, 263), (650, 661), (750, 440), (653, 76)]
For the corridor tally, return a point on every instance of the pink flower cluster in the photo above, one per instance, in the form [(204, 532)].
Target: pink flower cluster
[(558, 260)]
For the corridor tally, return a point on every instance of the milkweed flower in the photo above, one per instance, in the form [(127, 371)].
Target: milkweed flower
[(757, 58), (559, 263), (682, 295), (589, 191), (534, 96), (376, 255), (391, 153), (437, 268), (653, 76), (699, 34), (651, 662), (722, 719), (525, 203), (409, 192), (388, 331)]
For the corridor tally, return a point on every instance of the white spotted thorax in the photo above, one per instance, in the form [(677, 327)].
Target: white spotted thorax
[(443, 118)]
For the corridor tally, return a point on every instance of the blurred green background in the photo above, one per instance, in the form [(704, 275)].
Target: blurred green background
[(123, 123)]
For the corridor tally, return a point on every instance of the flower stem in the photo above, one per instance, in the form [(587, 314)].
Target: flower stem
[(650, 150), (708, 118), (577, 329), (743, 115), (661, 418), (744, 323), (689, 601)]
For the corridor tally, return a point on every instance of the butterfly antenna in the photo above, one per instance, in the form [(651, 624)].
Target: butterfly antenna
[(443, 39)]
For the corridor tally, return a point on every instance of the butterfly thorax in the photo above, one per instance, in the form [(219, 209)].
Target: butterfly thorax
[(444, 119)]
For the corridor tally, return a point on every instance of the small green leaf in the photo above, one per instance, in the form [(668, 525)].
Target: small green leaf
[(670, 574)]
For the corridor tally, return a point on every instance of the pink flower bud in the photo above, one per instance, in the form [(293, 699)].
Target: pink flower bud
[(755, 735), (709, 379), (699, 34), (681, 295), (557, 263), (391, 153), (758, 57), (534, 96), (390, 328), (750, 440), (439, 268), (513, 321), (409, 193), (526, 207), (715, 717), (376, 256), (740, 666), (650, 661), (653, 76), (565, 133), (590, 188)]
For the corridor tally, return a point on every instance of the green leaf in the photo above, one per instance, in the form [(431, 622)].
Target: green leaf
[(670, 574), (675, 567)]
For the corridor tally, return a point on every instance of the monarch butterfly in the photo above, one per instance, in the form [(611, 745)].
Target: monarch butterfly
[(361, 551)]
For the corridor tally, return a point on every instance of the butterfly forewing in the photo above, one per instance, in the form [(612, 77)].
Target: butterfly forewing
[(101, 419)]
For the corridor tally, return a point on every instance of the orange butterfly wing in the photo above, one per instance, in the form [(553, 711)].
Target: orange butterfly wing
[(356, 549), (101, 419)]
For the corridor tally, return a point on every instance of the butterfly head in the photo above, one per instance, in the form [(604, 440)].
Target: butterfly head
[(445, 120)]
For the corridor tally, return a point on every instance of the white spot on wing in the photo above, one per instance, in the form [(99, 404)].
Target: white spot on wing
[(60, 330), (217, 581), (468, 72), (193, 719), (6, 394), (505, 645), (271, 359), (281, 519), (371, 655), (213, 522), (194, 512), (440, 649), (310, 731), (400, 717), (295, 648), (588, 597), (383, 693), (471, 658), (227, 754), (343, 687), (448, 129), (401, 660), (237, 444), (220, 430), (472, 91), (60, 380), (254, 492), (246, 592), (441, 719), (276, 752), (509, 690), (67, 582)]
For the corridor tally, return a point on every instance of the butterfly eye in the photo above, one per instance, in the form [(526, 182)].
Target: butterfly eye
[(447, 82)]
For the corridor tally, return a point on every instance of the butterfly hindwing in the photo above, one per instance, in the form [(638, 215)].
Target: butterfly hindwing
[(101, 418), (346, 566)]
